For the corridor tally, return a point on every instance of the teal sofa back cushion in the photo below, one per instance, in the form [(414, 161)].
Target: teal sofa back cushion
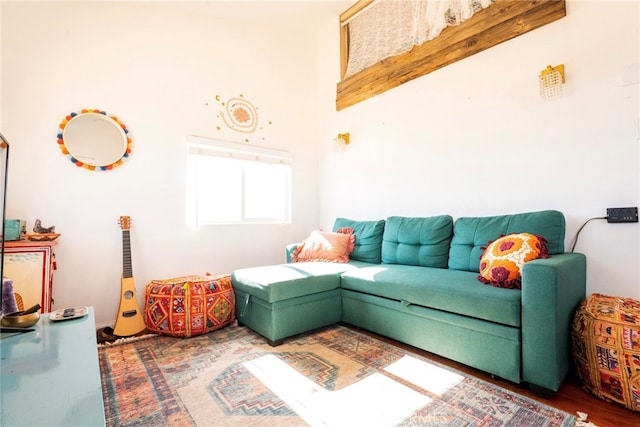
[(470, 234), (368, 244), (417, 241)]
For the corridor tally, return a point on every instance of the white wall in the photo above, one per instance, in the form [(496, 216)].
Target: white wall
[(474, 138), (154, 68)]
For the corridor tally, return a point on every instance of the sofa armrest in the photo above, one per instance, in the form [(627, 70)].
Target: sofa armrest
[(289, 251), (552, 289)]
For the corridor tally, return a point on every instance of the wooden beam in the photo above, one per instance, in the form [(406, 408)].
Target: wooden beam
[(499, 22)]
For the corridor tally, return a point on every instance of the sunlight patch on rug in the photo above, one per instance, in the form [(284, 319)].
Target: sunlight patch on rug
[(425, 375), (373, 401)]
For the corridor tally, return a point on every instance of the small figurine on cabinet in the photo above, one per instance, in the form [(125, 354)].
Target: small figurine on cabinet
[(9, 304), (38, 228)]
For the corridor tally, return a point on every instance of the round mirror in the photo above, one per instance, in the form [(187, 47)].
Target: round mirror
[(94, 140)]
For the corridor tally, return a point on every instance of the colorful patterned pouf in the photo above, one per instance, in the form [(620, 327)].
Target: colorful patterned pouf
[(190, 305), (606, 348)]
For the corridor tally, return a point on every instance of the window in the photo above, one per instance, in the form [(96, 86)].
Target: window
[(231, 183)]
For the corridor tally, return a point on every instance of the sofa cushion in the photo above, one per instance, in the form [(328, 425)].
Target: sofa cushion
[(324, 246), (453, 291), (280, 282), (417, 241), (470, 234), (502, 261), (368, 241)]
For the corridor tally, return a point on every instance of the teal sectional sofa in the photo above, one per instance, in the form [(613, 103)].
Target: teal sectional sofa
[(416, 280)]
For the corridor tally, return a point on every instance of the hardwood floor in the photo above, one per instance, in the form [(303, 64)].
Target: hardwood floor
[(570, 398)]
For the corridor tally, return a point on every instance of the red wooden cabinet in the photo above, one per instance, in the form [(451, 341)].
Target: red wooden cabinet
[(30, 264)]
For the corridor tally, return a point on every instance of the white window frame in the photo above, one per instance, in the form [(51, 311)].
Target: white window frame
[(202, 149)]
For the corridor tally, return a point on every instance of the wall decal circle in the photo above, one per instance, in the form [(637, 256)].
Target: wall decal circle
[(240, 115)]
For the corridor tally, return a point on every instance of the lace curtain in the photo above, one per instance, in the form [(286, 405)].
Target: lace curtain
[(390, 27)]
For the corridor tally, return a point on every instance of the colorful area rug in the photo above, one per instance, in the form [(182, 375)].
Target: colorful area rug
[(331, 377)]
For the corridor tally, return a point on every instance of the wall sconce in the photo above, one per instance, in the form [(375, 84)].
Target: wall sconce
[(341, 142), (551, 80), (343, 138)]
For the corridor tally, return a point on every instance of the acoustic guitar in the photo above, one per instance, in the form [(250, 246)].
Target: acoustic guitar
[(130, 320)]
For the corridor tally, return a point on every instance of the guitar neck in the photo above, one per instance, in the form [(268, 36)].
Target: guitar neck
[(127, 269)]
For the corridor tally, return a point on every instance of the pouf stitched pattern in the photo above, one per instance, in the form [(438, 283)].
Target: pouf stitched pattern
[(189, 305), (606, 348)]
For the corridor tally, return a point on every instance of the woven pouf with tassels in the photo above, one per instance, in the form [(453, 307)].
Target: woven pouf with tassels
[(606, 348), (190, 305)]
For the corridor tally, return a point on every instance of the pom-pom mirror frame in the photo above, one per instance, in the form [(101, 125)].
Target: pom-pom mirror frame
[(94, 140)]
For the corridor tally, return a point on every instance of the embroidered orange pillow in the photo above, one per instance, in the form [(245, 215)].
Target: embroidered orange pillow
[(325, 246), (502, 261)]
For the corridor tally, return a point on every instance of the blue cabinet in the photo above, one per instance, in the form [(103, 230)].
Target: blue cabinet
[(51, 376)]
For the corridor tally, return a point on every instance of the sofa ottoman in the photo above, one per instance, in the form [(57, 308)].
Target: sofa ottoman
[(606, 348), (190, 305), (280, 301)]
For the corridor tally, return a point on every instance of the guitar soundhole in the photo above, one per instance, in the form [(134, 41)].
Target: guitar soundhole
[(128, 294)]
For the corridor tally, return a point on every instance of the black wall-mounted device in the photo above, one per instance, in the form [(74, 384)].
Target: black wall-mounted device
[(617, 215)]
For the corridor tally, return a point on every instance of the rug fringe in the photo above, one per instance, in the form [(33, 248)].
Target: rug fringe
[(126, 340), (582, 420)]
